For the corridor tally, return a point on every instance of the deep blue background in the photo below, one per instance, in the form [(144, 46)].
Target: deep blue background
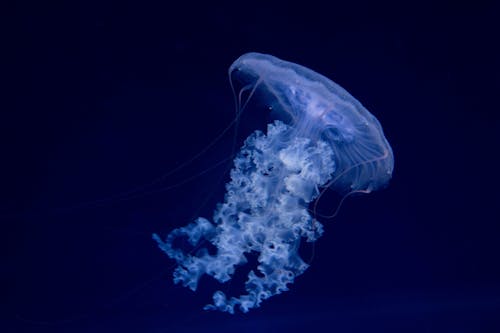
[(104, 98)]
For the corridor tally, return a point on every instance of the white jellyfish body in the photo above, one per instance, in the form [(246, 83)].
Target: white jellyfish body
[(321, 136)]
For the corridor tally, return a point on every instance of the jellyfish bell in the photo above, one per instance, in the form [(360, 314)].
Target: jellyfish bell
[(318, 108)]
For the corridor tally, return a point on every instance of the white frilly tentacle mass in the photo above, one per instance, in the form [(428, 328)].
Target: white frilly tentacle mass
[(275, 177)]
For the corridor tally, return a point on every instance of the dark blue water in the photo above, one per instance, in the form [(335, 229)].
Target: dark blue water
[(103, 99)]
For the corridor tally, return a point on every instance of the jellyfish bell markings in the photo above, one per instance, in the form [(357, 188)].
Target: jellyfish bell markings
[(319, 137), (321, 109)]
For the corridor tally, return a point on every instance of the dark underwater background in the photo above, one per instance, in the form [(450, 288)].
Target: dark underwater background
[(104, 99)]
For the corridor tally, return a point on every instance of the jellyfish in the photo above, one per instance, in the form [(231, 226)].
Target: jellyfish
[(319, 137)]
